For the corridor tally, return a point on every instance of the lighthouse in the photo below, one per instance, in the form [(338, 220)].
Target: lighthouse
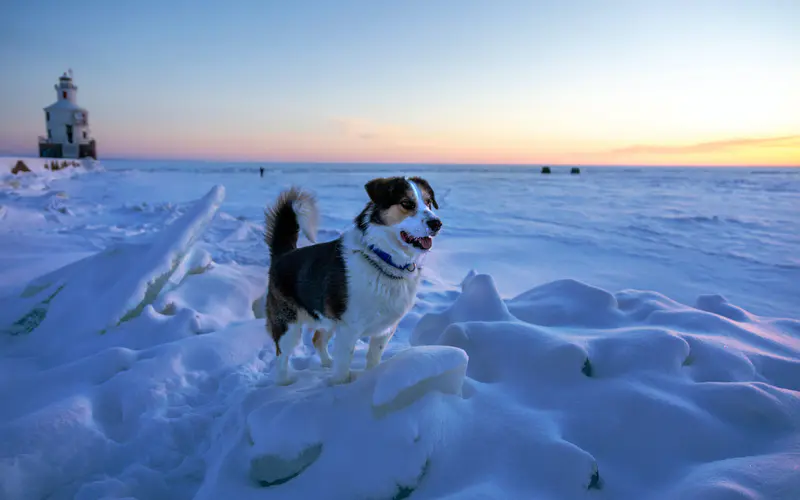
[(68, 133)]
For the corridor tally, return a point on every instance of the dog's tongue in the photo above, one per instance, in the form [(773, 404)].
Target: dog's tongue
[(426, 242)]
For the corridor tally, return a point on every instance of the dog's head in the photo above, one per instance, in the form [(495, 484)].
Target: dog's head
[(400, 213)]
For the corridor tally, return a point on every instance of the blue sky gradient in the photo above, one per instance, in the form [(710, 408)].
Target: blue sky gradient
[(505, 81)]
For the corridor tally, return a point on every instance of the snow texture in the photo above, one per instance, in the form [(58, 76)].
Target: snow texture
[(134, 362)]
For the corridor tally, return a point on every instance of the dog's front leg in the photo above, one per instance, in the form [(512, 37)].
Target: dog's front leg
[(377, 344), (344, 343)]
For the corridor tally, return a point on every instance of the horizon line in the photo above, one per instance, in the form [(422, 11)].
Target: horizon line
[(432, 163)]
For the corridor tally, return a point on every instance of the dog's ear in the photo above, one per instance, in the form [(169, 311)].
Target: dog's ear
[(384, 192), (424, 185)]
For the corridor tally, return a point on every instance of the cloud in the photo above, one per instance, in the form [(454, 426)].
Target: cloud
[(368, 130), (789, 141)]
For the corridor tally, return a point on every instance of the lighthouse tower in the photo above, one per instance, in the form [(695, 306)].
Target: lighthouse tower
[(68, 133)]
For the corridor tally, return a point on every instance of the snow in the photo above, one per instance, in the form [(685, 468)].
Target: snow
[(40, 173), (613, 335), (413, 368)]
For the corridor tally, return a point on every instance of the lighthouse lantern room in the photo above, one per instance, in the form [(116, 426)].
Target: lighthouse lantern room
[(68, 133)]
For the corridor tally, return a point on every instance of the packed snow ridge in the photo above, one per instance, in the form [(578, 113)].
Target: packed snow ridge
[(145, 371)]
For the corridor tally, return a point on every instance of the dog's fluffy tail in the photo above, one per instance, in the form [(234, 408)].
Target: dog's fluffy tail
[(295, 210)]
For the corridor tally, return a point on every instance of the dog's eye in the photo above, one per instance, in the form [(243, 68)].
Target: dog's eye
[(407, 205)]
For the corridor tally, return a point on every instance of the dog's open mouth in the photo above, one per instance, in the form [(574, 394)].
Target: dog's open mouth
[(423, 243)]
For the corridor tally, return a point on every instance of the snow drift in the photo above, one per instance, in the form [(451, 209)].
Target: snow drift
[(145, 371), (107, 289), (667, 401)]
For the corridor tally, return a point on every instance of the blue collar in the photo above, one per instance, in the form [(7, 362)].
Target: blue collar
[(410, 267)]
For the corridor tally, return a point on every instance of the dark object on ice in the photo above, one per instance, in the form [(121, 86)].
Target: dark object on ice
[(545, 170), (404, 492), (272, 470), (20, 167), (262, 171), (587, 368), (575, 171), (595, 483), (54, 165)]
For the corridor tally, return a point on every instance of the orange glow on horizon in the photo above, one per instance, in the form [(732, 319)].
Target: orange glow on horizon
[(782, 151)]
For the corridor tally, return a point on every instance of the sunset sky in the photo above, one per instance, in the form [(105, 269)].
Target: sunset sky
[(677, 82)]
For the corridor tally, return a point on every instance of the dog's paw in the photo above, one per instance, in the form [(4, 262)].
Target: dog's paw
[(326, 363), (339, 379), (371, 364), (285, 379)]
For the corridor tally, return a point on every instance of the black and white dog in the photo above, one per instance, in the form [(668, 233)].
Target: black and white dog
[(358, 285)]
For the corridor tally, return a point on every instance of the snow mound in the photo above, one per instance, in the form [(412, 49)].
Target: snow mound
[(236, 289), (115, 285), (657, 396), (308, 441), (628, 395), (402, 378), (567, 303), (13, 217), (530, 353), (122, 422), (671, 402), (479, 301)]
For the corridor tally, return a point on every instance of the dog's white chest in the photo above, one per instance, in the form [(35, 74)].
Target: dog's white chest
[(376, 302)]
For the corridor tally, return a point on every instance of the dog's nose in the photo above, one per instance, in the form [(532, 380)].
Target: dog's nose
[(434, 224)]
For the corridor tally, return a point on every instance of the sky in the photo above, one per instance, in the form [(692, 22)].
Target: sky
[(623, 82)]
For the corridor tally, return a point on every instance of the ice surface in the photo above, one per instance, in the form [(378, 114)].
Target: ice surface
[(617, 335)]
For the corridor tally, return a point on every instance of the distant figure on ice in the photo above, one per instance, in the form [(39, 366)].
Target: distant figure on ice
[(262, 171)]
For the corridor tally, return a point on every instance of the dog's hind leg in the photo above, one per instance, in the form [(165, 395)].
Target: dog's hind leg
[(287, 343), (377, 344), (320, 340)]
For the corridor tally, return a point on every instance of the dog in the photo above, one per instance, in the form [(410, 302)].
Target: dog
[(360, 284)]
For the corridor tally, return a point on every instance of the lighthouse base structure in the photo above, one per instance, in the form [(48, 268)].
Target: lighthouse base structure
[(56, 150)]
